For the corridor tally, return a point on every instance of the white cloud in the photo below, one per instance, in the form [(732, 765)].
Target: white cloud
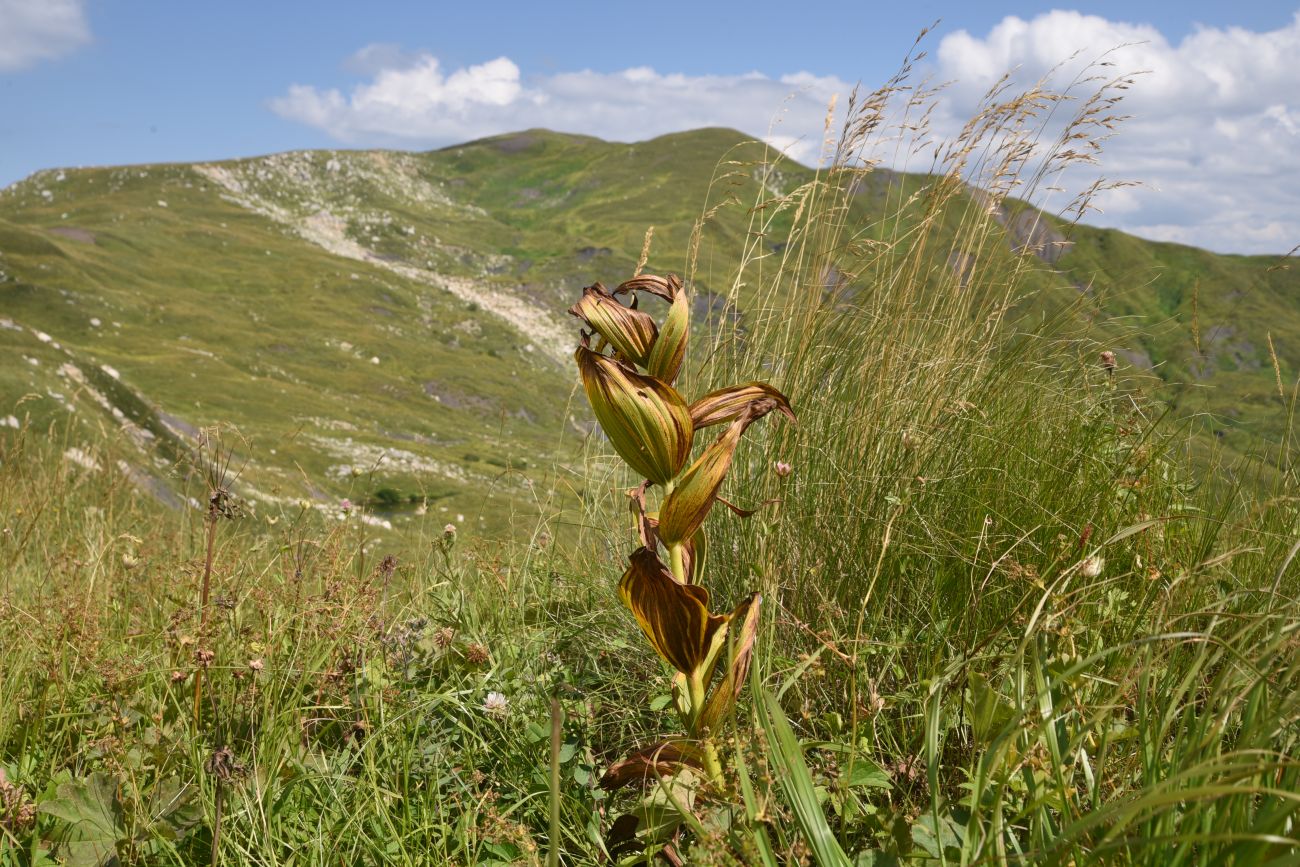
[(1215, 133), (36, 30), (416, 103), (1215, 129)]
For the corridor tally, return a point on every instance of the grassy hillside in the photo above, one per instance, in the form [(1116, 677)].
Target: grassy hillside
[(985, 610), (378, 320)]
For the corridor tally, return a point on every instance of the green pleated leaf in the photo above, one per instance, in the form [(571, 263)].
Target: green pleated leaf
[(629, 331), (674, 616), (741, 632), (646, 420), (669, 349), (727, 404), (693, 495)]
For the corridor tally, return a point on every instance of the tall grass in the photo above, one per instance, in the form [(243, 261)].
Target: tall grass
[(999, 584), (1007, 622)]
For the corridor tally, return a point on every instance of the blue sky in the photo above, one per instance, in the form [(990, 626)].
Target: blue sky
[(92, 82)]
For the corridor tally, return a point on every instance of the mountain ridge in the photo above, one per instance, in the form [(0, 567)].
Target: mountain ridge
[(394, 319)]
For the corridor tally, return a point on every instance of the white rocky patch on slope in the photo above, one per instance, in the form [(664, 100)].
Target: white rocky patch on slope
[(329, 232)]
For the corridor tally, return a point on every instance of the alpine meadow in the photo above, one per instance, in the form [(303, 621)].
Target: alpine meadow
[(882, 512)]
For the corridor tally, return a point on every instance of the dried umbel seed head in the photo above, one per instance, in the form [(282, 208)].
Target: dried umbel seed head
[(223, 765)]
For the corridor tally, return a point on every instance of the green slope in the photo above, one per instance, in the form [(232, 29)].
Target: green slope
[(380, 319)]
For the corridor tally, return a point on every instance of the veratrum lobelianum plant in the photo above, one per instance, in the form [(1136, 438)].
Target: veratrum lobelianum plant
[(628, 377)]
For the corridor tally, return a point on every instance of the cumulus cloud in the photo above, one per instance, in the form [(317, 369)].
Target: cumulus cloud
[(1214, 134), (416, 102), (1214, 137), (36, 30)]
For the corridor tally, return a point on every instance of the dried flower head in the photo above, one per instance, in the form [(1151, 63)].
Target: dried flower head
[(477, 654), (783, 469), (223, 765), (17, 811), (256, 664), (1108, 361)]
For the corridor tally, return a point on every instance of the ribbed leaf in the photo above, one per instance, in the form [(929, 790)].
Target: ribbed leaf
[(727, 404), (629, 331), (675, 617), (741, 631), (649, 763), (669, 350), (646, 420), (685, 509), (667, 288)]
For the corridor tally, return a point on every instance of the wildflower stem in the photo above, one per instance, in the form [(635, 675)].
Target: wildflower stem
[(203, 606)]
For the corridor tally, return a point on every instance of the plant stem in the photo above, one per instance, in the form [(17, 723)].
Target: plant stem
[(677, 562), (712, 764), (203, 609), (557, 731)]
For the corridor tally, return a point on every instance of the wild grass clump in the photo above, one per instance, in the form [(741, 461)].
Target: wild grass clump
[(1014, 623), (359, 703)]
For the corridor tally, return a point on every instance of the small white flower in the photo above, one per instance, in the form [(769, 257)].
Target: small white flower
[(495, 704)]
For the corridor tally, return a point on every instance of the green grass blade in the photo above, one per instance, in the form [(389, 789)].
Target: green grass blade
[(797, 784)]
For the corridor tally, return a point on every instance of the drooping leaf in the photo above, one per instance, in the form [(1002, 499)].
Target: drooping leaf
[(741, 633), (648, 764), (669, 349), (685, 509), (667, 287), (675, 617), (646, 420), (694, 550), (629, 331), (728, 404)]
